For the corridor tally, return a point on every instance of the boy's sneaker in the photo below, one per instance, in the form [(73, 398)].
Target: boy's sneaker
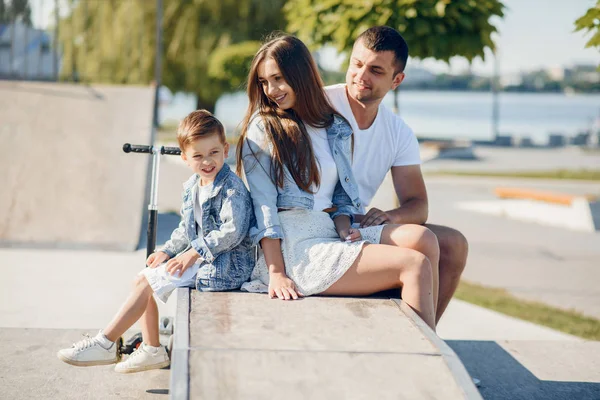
[(143, 359), (88, 352)]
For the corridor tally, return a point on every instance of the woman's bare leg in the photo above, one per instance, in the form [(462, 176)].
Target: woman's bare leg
[(383, 267), (418, 238), (131, 311)]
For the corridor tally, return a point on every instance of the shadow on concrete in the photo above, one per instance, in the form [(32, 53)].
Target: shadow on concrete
[(158, 391), (503, 377), (167, 222)]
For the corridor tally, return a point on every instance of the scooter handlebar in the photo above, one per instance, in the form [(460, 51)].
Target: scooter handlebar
[(137, 148), (172, 151)]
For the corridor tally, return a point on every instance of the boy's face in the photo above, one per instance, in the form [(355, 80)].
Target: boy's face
[(206, 156)]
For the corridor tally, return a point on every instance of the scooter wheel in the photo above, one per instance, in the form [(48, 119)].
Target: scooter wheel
[(132, 344), (170, 346)]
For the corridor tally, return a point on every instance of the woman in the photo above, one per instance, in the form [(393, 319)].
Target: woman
[(295, 150)]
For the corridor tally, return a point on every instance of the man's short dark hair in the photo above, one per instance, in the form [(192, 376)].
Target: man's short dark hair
[(384, 38)]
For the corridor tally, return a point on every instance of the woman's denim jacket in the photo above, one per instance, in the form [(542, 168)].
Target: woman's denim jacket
[(268, 197), (227, 216)]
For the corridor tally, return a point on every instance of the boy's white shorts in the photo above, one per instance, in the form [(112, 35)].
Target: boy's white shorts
[(163, 283)]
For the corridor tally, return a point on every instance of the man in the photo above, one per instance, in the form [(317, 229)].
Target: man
[(383, 142)]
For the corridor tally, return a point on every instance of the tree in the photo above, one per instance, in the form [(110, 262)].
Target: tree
[(11, 10), (590, 22), (207, 44), (432, 28)]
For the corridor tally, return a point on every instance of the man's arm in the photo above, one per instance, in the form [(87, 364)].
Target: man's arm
[(412, 196)]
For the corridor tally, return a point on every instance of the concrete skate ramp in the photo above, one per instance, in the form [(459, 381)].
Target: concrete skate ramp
[(66, 182)]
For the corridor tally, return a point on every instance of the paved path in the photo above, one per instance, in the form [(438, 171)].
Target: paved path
[(553, 265), (491, 159)]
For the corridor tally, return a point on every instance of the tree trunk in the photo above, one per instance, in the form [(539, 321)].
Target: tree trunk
[(202, 104)]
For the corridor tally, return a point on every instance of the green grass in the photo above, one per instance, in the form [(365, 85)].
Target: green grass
[(579, 174), (500, 300)]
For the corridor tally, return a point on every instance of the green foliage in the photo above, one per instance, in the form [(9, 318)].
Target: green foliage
[(11, 10), (230, 64), (590, 22), (114, 41), (432, 28)]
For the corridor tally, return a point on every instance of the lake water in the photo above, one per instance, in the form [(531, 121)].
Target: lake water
[(451, 114)]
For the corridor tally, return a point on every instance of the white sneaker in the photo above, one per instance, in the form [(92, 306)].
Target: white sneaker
[(88, 352), (144, 358)]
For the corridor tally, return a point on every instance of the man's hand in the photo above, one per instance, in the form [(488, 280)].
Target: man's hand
[(157, 258), (282, 287), (375, 217), (182, 262), (350, 235)]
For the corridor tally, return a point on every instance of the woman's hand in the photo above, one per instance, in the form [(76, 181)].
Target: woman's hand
[(282, 287), (182, 262), (157, 258), (350, 235)]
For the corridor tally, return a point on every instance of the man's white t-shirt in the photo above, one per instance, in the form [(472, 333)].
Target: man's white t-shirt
[(387, 143)]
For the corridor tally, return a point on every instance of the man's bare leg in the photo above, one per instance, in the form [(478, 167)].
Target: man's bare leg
[(454, 249)]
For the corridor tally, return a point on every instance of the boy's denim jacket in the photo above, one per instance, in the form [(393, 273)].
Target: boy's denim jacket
[(226, 219), (268, 197)]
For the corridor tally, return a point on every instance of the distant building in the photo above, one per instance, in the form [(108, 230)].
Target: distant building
[(513, 79), (556, 73), (27, 54), (556, 140), (583, 73)]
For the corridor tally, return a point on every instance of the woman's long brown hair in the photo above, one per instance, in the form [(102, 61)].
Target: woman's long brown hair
[(285, 129)]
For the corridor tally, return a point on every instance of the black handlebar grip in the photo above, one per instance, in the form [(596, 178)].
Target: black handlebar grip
[(172, 151), (136, 148)]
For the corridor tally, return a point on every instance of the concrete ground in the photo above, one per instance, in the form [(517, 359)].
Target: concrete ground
[(40, 316), (48, 299)]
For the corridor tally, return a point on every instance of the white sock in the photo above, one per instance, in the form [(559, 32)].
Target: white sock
[(104, 341), (151, 349)]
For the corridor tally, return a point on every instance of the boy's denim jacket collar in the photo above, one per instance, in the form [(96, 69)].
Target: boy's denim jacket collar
[(225, 218), (268, 198)]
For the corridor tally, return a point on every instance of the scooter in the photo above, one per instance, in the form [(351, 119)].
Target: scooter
[(165, 323)]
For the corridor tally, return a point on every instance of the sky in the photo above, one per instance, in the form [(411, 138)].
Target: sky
[(533, 34)]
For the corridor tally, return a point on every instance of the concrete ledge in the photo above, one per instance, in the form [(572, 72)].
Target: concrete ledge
[(575, 212), (540, 195), (244, 345), (180, 383)]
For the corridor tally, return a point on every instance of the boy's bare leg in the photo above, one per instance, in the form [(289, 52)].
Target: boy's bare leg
[(454, 249), (149, 323), (131, 311)]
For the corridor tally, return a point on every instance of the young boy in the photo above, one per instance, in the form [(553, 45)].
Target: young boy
[(210, 250)]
